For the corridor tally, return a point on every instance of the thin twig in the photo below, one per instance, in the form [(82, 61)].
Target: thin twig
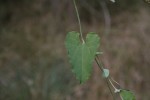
[(112, 85), (106, 79), (115, 81), (75, 5), (101, 68)]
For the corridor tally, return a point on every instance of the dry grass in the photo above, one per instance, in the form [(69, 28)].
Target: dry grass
[(34, 63)]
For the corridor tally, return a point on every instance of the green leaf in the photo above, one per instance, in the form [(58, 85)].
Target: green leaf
[(82, 54), (127, 95), (105, 73)]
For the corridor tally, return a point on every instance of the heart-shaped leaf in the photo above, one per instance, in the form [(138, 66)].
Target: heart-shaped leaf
[(127, 95), (82, 54)]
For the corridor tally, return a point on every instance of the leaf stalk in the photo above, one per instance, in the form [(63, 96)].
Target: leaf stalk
[(79, 22)]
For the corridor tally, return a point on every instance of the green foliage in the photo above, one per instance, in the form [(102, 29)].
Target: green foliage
[(127, 95), (81, 57), (82, 54)]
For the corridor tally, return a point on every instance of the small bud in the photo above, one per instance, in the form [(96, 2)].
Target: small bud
[(112, 1)]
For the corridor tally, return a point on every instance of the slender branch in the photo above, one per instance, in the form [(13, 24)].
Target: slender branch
[(115, 81), (106, 79), (116, 90), (112, 85), (75, 5), (97, 61)]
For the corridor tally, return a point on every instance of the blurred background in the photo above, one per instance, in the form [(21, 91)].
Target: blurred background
[(33, 60)]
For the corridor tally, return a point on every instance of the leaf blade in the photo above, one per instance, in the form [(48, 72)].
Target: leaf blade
[(127, 95), (81, 54)]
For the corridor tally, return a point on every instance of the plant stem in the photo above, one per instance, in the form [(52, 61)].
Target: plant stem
[(112, 85), (75, 5), (106, 79), (98, 63), (115, 81)]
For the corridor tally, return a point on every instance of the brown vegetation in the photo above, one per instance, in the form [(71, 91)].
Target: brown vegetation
[(33, 59)]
